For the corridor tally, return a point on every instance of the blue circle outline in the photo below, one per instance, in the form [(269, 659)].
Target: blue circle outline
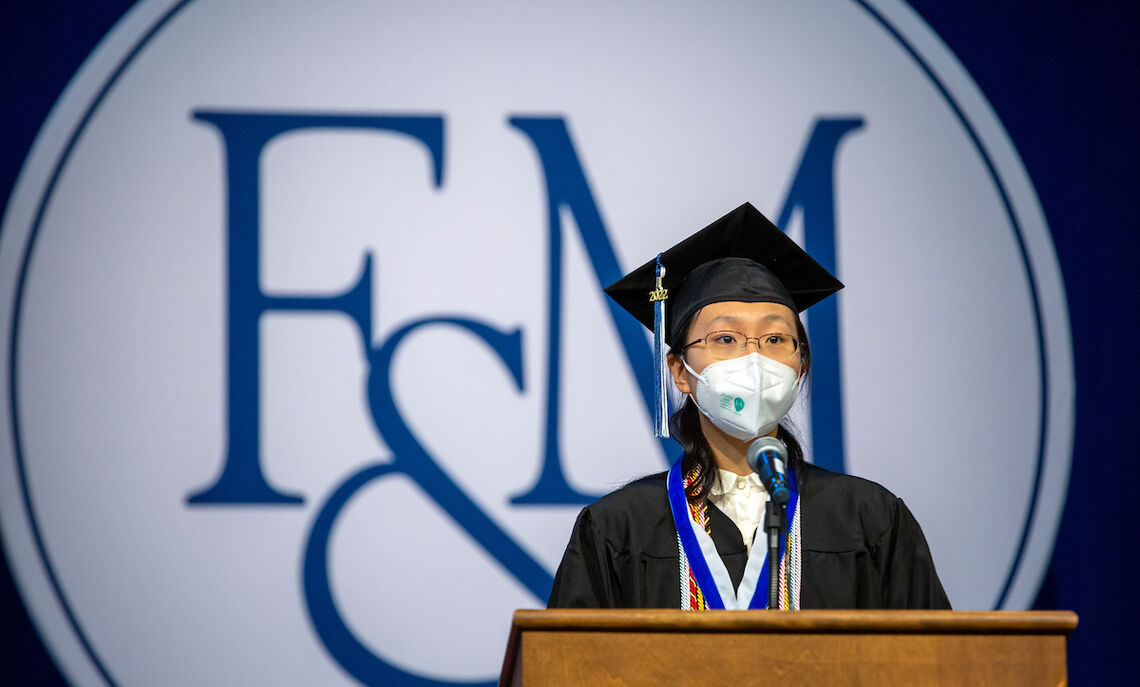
[(1043, 406), (18, 306), (169, 15)]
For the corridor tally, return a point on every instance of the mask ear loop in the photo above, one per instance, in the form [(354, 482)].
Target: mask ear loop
[(689, 369), (801, 374)]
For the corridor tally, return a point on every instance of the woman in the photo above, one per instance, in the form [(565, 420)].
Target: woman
[(727, 302)]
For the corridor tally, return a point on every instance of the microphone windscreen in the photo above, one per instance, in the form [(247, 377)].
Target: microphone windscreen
[(768, 456)]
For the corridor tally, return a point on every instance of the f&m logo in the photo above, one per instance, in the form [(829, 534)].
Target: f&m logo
[(308, 366), (242, 481)]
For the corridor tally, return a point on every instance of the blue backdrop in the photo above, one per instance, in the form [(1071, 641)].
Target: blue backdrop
[(1062, 78)]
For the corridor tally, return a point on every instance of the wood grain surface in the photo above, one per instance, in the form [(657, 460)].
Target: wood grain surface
[(832, 648)]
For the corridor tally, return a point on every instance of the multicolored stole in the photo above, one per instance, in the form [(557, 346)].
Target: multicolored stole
[(705, 582)]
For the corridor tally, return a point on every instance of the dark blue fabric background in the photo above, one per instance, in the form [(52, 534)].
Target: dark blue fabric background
[(1062, 77)]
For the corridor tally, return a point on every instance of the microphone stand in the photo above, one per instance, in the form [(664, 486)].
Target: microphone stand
[(774, 516)]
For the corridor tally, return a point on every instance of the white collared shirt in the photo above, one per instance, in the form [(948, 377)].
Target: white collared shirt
[(742, 498)]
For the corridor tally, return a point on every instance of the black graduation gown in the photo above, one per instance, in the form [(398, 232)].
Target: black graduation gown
[(861, 548)]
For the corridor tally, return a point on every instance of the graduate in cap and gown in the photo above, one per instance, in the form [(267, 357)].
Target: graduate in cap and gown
[(725, 305)]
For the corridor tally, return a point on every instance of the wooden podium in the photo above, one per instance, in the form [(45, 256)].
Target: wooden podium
[(832, 648)]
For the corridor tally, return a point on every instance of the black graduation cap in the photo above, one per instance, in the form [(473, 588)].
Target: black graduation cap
[(739, 257)]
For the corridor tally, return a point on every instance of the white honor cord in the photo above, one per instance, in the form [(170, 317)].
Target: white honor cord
[(790, 568), (685, 600), (793, 576)]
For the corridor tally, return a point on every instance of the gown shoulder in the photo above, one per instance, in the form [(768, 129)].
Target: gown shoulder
[(861, 546), (865, 546)]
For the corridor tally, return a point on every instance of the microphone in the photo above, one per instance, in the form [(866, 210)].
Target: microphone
[(767, 456)]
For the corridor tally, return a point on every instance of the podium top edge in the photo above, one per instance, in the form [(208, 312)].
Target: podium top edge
[(819, 622)]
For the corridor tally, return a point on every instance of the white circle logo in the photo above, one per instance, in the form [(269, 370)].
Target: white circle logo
[(307, 364)]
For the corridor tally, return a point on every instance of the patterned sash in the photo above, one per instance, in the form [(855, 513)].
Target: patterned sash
[(693, 598)]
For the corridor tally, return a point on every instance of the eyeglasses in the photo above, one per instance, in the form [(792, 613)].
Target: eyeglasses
[(725, 344)]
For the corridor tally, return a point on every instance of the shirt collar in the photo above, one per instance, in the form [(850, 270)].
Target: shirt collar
[(726, 481)]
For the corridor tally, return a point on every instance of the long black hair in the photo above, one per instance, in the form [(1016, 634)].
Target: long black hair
[(685, 427)]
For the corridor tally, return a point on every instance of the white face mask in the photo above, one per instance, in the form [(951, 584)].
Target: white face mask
[(745, 397)]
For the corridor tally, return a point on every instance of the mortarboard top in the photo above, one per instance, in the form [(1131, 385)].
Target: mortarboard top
[(739, 257)]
